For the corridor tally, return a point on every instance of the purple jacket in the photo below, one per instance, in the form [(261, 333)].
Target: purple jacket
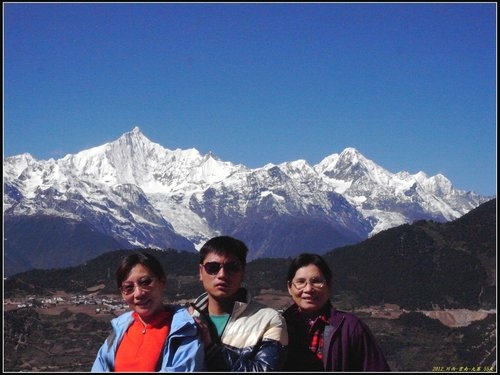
[(349, 345)]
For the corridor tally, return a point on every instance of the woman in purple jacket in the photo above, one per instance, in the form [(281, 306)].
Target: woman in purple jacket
[(322, 338)]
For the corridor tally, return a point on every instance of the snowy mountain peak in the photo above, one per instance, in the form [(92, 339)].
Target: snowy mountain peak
[(349, 165), (143, 194), (351, 152), (211, 170), (133, 138)]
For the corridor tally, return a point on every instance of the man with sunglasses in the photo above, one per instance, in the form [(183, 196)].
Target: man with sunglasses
[(239, 333)]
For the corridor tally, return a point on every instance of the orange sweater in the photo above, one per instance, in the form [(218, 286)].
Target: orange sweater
[(141, 345)]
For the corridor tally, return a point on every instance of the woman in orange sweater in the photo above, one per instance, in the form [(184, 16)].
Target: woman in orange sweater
[(152, 336)]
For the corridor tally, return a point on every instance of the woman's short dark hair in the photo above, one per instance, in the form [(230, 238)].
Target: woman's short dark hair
[(225, 245), (145, 259), (306, 259)]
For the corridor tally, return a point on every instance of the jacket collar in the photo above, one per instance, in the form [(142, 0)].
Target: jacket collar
[(242, 299)]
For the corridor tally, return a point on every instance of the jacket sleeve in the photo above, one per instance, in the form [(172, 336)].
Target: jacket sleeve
[(267, 355), (103, 362), (373, 358), (183, 350), (186, 355)]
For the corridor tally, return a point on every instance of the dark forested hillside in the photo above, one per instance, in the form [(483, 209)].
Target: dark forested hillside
[(423, 265), (101, 270), (64, 242)]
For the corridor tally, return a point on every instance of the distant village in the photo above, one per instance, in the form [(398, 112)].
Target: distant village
[(104, 304)]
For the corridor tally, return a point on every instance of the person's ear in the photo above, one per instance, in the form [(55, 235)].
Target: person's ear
[(200, 272)]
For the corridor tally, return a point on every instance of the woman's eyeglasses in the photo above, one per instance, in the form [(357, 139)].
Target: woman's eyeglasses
[(300, 284), (213, 268), (145, 284)]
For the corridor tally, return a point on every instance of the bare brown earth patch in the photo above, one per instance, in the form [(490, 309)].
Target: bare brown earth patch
[(457, 317), (276, 299)]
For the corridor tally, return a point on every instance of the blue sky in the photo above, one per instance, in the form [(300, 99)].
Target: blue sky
[(412, 86)]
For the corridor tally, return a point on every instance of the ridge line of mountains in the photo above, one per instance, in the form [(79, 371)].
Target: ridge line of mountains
[(133, 193)]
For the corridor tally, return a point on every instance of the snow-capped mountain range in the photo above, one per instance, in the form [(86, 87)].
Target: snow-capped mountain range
[(144, 195)]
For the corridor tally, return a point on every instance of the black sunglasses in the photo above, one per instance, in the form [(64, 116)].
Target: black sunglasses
[(213, 268)]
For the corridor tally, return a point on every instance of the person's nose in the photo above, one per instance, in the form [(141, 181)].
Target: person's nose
[(222, 272), (308, 287), (138, 292)]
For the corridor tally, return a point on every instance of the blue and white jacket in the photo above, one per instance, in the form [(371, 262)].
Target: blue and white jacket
[(182, 351), (254, 339)]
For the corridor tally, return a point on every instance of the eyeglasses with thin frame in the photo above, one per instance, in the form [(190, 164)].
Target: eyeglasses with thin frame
[(213, 268), (300, 284), (146, 284)]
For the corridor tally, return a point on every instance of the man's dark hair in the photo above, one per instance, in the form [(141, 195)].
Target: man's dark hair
[(225, 245)]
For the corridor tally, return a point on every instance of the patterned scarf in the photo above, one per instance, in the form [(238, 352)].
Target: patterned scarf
[(316, 339)]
